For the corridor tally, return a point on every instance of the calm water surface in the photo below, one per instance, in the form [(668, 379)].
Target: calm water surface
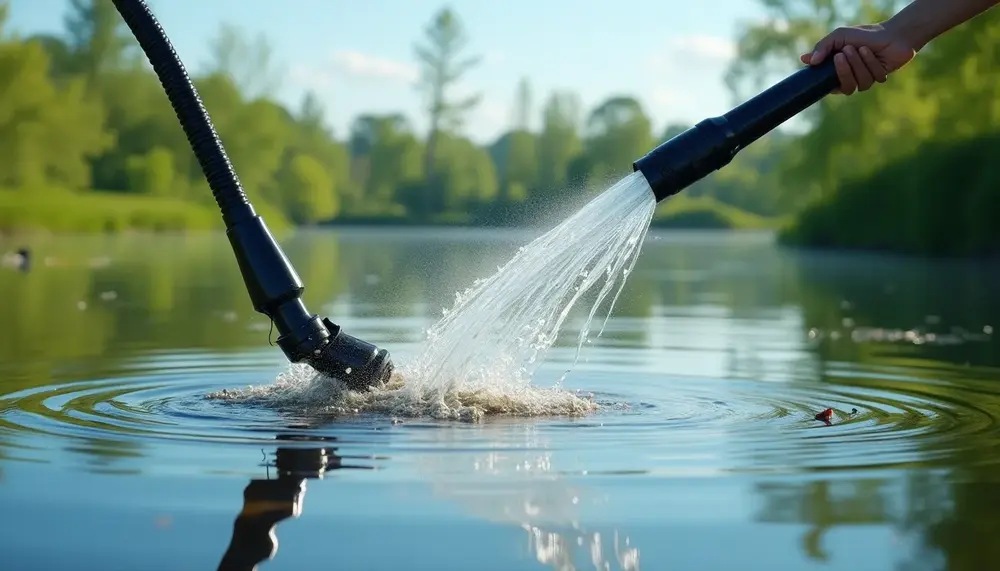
[(705, 454)]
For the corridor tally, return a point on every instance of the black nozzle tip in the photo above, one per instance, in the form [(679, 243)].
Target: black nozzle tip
[(358, 364)]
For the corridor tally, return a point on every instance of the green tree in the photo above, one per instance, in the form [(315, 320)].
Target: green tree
[(47, 133), (515, 158), (518, 165), (61, 62), (98, 39), (310, 135), (256, 134), (387, 152), (442, 65), (903, 167), (467, 181), (559, 141), (522, 106), (840, 136), (80, 113), (308, 191), (618, 132), (249, 63), (152, 173), (961, 70), (139, 123)]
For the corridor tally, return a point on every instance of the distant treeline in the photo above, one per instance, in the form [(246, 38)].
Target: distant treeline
[(92, 143)]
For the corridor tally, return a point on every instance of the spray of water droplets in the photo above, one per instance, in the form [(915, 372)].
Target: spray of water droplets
[(498, 331), (480, 357)]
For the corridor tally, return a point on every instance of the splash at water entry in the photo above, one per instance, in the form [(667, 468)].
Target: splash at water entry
[(480, 357)]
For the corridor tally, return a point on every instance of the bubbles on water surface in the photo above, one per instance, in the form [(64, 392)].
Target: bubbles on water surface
[(301, 390)]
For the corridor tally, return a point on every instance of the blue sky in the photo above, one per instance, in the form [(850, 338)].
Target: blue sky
[(357, 55)]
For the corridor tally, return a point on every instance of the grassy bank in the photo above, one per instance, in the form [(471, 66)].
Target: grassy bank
[(704, 213), (940, 201), (52, 211), (679, 212), (47, 210)]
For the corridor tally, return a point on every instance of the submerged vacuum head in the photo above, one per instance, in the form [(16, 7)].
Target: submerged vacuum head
[(359, 364), (712, 143), (276, 291)]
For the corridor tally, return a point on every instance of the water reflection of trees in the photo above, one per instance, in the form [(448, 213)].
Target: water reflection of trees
[(823, 505), (951, 510), (105, 298), (91, 304), (103, 455), (949, 298), (744, 275), (168, 293), (519, 484)]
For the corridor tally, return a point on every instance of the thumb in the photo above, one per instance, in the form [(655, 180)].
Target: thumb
[(830, 43)]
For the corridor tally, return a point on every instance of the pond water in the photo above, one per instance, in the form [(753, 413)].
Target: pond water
[(704, 453)]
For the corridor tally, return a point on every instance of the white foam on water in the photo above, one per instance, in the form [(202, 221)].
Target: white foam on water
[(480, 357)]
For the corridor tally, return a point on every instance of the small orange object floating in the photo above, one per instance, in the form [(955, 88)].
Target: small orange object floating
[(825, 416)]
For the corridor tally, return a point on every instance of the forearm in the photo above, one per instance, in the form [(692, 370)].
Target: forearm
[(923, 20)]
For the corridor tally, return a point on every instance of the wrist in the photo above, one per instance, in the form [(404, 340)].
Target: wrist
[(911, 33)]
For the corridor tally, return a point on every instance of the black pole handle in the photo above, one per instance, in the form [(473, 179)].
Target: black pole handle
[(766, 111), (712, 143)]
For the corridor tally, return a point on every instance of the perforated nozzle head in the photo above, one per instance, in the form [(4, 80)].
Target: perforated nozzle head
[(358, 364)]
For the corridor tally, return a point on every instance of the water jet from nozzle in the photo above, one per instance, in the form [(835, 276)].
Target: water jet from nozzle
[(712, 143), (274, 287)]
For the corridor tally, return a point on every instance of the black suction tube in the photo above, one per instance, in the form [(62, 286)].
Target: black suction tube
[(712, 143), (274, 287)]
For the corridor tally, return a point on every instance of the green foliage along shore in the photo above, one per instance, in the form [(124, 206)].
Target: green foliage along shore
[(94, 146), (908, 167), (927, 203)]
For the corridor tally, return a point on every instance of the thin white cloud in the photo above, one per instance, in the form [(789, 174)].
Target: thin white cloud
[(687, 77), (311, 78), (705, 47), (685, 53), (494, 57), (664, 96), (343, 65), (358, 64)]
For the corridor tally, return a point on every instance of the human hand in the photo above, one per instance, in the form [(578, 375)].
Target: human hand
[(864, 55)]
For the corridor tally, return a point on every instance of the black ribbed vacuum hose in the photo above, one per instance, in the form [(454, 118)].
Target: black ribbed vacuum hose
[(190, 110), (274, 286)]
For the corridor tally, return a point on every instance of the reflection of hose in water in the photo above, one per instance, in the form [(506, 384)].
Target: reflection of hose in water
[(268, 502), (522, 488), (509, 487)]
